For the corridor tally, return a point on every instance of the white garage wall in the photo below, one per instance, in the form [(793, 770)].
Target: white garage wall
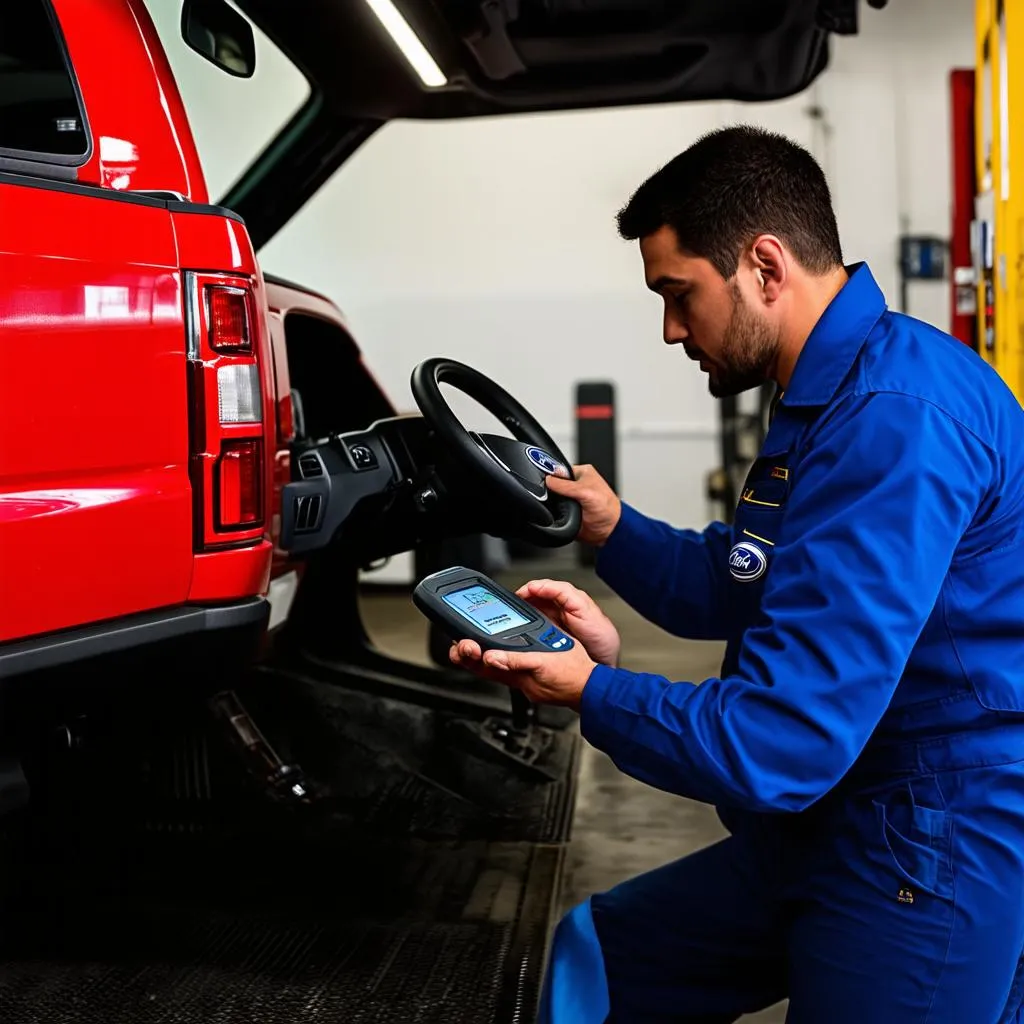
[(493, 241), (887, 97)]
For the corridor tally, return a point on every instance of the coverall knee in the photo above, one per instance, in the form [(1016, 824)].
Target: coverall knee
[(898, 903)]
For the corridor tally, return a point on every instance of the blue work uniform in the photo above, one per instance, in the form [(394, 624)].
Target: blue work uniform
[(864, 744)]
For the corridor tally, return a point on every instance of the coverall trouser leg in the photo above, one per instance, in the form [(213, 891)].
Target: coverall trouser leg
[(899, 904)]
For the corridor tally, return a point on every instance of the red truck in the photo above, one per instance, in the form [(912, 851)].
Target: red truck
[(147, 413), (192, 453)]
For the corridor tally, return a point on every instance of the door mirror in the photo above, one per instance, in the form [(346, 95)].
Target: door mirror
[(216, 31)]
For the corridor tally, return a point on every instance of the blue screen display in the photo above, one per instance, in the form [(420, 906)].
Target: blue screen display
[(488, 612)]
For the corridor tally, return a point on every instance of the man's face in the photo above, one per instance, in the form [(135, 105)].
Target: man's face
[(717, 322)]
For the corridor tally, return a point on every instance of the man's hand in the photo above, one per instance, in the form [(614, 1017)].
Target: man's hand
[(550, 678), (576, 613), (543, 678), (600, 504)]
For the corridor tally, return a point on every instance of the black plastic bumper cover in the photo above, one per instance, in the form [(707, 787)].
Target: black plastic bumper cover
[(103, 638)]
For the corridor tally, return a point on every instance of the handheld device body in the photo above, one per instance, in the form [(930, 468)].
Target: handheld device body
[(467, 605)]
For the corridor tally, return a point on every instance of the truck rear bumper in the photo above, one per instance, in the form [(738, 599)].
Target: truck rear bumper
[(133, 632)]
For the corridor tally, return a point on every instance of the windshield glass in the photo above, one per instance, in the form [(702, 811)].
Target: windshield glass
[(232, 119)]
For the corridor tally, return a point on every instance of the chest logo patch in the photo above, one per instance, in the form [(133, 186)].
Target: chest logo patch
[(747, 562)]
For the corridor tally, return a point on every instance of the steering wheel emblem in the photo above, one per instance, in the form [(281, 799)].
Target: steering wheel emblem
[(546, 463)]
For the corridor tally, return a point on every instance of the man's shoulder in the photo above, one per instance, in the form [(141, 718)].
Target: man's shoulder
[(905, 356)]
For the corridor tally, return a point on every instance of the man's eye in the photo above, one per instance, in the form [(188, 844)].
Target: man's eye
[(682, 298)]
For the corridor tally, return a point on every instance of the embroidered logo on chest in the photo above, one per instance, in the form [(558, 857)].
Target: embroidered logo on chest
[(747, 562)]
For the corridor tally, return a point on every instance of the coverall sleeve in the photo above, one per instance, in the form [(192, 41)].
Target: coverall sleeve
[(877, 510), (677, 579)]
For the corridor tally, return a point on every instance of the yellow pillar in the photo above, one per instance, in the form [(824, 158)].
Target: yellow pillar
[(1000, 169)]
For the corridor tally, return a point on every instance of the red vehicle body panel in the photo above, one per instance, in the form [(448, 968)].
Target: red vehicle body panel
[(247, 569), (93, 458)]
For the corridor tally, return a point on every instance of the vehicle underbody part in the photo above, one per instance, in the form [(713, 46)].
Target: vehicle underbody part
[(14, 788), (152, 880), (281, 781)]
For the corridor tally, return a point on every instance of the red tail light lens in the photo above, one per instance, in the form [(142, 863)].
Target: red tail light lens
[(228, 319), (239, 479)]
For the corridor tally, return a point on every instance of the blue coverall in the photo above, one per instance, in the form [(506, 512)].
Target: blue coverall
[(865, 742)]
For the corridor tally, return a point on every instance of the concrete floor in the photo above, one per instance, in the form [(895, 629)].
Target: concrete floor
[(622, 827)]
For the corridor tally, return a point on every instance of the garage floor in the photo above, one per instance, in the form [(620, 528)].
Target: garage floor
[(622, 827)]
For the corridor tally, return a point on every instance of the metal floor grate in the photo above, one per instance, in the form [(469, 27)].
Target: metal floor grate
[(153, 884), (214, 970), (412, 932)]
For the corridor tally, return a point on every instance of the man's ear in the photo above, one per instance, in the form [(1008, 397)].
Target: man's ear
[(770, 265)]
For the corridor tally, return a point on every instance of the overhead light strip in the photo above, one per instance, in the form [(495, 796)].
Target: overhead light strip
[(408, 42)]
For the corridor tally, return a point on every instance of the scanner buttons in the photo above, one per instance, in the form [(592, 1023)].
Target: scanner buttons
[(554, 639)]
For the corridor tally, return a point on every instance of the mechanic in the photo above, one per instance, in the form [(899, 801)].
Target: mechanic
[(865, 741)]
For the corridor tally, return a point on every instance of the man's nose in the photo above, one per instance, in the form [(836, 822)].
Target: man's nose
[(674, 331)]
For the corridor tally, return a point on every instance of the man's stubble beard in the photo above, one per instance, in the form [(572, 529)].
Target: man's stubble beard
[(749, 347)]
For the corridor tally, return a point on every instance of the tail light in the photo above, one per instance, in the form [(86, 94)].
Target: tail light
[(239, 481), (238, 394), (226, 391), (229, 328)]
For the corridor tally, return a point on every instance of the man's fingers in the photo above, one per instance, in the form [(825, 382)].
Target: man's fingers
[(532, 593), (565, 595), (531, 586), (563, 485), (556, 590), (511, 661)]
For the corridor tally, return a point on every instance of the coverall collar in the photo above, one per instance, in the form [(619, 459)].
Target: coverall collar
[(836, 339)]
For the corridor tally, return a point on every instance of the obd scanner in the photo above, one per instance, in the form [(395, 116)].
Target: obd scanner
[(468, 605)]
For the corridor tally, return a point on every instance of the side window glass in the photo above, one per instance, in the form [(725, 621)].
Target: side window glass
[(232, 119), (39, 109)]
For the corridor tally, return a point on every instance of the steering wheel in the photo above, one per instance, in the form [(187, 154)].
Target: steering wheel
[(514, 468)]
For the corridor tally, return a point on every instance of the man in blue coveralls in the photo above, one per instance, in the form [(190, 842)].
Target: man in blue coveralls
[(865, 741)]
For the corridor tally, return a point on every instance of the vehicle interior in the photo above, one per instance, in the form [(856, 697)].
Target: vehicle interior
[(333, 833)]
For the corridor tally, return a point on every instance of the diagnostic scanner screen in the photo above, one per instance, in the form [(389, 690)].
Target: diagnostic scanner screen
[(484, 609)]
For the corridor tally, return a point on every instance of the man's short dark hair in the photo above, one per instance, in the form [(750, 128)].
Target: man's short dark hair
[(732, 185)]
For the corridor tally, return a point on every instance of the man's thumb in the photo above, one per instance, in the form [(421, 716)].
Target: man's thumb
[(510, 661)]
